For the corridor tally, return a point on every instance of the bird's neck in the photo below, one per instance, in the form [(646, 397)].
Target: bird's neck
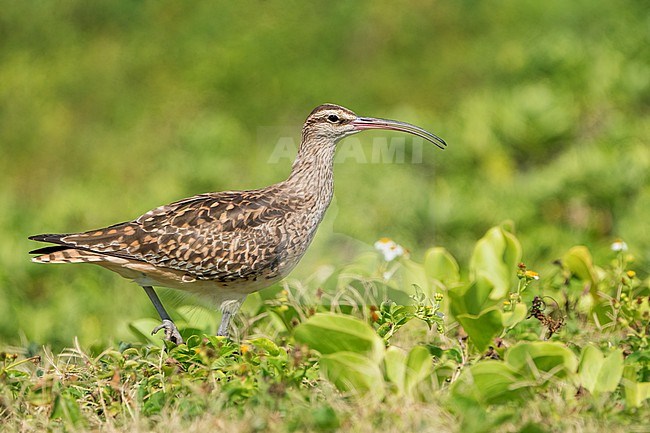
[(312, 172)]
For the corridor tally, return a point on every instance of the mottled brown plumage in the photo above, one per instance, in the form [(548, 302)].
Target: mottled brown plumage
[(225, 245)]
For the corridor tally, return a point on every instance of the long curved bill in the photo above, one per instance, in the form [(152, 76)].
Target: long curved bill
[(362, 123)]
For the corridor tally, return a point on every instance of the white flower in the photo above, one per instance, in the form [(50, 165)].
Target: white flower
[(618, 245), (389, 249)]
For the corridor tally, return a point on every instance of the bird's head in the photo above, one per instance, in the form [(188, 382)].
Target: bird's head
[(332, 123)]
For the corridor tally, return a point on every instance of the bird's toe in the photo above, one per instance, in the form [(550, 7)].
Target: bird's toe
[(171, 331)]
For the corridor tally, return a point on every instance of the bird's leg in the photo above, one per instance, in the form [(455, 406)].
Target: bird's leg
[(171, 332), (225, 324), (228, 309)]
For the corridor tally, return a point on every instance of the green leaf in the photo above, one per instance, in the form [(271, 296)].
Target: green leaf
[(597, 373), (330, 333), (477, 314), (591, 361), (542, 356), (489, 382), (579, 263), (439, 264), (395, 367), (511, 318), (495, 258), (353, 372), (472, 298), (482, 329), (635, 392), (611, 372), (419, 367)]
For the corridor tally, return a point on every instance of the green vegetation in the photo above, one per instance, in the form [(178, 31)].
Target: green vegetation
[(569, 352), (108, 109)]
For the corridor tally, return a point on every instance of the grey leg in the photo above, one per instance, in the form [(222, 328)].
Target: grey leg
[(171, 332), (228, 309), (225, 324)]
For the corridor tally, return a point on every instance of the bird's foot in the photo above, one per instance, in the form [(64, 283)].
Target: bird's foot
[(171, 331)]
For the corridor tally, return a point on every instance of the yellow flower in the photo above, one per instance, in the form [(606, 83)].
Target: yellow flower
[(631, 274), (244, 349), (531, 275)]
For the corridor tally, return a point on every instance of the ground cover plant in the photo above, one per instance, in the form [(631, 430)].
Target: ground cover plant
[(108, 109), (501, 348)]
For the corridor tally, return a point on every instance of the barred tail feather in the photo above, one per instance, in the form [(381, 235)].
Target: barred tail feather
[(62, 254)]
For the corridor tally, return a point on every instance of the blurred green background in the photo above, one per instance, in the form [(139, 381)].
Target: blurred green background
[(108, 109)]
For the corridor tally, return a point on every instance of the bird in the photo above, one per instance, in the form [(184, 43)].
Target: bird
[(223, 246)]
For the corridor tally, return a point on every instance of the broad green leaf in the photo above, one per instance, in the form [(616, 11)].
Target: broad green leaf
[(353, 372), (579, 263), (330, 333), (419, 367), (597, 373), (591, 361), (495, 258), (395, 367), (472, 298), (489, 382), (635, 392), (542, 357), (441, 265), (511, 318), (482, 329), (611, 372)]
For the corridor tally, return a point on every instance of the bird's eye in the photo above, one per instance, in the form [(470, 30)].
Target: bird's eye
[(333, 118)]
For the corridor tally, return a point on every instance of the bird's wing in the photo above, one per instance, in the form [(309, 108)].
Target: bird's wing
[(224, 236)]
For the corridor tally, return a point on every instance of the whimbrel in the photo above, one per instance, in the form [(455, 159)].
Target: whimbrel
[(225, 245)]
